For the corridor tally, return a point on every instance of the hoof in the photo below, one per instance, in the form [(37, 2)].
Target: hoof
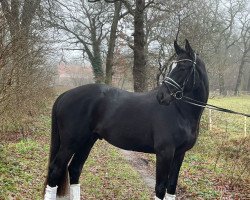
[(169, 197)]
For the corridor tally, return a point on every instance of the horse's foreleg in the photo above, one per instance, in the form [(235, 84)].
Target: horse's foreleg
[(163, 164), (173, 176)]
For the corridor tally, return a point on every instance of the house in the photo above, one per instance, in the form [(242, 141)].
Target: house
[(71, 75)]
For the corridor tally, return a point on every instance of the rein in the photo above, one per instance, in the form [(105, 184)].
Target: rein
[(178, 95), (210, 106)]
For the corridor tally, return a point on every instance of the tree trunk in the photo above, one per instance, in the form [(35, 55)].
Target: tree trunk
[(97, 65), (240, 75), (248, 84), (222, 83), (139, 68), (111, 46), (96, 59), (221, 68)]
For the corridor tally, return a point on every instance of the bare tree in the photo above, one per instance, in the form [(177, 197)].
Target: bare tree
[(89, 29), (139, 68), (111, 43), (245, 58), (226, 39), (24, 77), (213, 32)]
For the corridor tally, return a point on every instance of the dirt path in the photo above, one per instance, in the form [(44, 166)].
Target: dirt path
[(142, 166), (147, 171)]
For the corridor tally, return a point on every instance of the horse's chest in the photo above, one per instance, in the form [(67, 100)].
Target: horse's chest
[(189, 141), (186, 138)]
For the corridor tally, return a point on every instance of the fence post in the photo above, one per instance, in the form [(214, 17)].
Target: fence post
[(245, 127), (210, 119)]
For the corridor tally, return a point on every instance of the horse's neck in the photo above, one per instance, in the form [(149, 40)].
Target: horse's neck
[(193, 112)]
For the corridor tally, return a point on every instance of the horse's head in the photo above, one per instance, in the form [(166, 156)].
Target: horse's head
[(187, 74)]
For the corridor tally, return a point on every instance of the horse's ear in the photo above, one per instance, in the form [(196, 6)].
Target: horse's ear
[(177, 48), (189, 49)]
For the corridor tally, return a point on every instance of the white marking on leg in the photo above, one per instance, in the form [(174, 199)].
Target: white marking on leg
[(169, 197), (50, 193), (75, 192), (156, 198)]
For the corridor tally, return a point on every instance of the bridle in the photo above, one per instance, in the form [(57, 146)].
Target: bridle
[(178, 94)]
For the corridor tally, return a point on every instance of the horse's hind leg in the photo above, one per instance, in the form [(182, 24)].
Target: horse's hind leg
[(57, 175), (76, 165)]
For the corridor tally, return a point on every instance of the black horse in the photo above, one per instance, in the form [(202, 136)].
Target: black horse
[(157, 122)]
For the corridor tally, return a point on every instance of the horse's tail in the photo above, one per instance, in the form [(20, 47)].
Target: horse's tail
[(54, 148)]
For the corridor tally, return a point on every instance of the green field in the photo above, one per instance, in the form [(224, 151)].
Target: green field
[(233, 124), (216, 168)]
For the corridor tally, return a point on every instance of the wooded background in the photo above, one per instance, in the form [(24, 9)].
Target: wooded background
[(116, 36)]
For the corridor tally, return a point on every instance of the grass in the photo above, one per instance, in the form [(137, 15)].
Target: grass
[(111, 176), (233, 124), (23, 166), (218, 166)]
